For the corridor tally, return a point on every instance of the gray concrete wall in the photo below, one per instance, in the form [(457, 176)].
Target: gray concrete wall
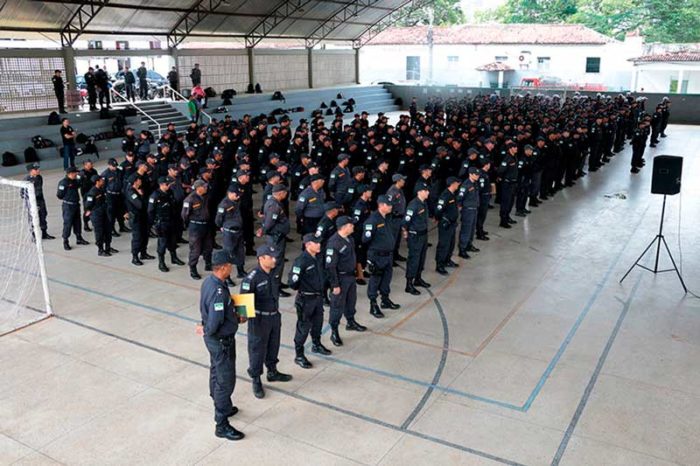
[(685, 108), (333, 67), (224, 69), (281, 69)]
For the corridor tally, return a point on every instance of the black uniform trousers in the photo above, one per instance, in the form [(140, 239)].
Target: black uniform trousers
[(233, 244), (92, 97), (483, 210), (222, 375), (43, 212), (446, 241), (507, 197), (467, 227), (143, 89), (166, 237), (417, 249), (263, 342), (115, 210), (248, 228), (381, 272), (343, 304), (280, 245), (101, 226), (309, 309), (139, 233), (61, 98), (523, 194), (71, 220), (201, 243), (309, 225), (637, 155)]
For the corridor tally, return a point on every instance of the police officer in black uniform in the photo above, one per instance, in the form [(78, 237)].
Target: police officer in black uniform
[(85, 179), (275, 228), (195, 217), (468, 199), (398, 201), (114, 183), (307, 278), (90, 84), (229, 220), (136, 202), (34, 177), (264, 330), (309, 207), (161, 216), (447, 215), (485, 189), (242, 182), (378, 234), (360, 211), (340, 267), (219, 326), (415, 231), (508, 173), (96, 210), (58, 89), (68, 192), (340, 180)]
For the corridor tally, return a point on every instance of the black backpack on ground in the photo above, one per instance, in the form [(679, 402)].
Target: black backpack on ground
[(220, 109), (128, 112), (81, 138), (227, 102), (104, 114), (54, 119), (30, 155), (9, 159), (210, 92), (277, 95), (228, 94), (41, 143), (250, 89), (91, 147), (258, 89)]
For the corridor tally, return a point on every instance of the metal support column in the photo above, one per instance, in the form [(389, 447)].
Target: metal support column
[(251, 66), (357, 66), (310, 54), (69, 66)]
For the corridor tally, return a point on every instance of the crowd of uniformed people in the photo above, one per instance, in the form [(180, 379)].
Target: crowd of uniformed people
[(359, 191)]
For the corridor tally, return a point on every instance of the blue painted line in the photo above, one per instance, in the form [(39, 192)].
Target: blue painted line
[(577, 324), (594, 377)]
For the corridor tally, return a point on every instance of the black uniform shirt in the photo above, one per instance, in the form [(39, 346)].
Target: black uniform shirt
[(218, 313)]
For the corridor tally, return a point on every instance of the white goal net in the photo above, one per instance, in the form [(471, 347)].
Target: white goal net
[(24, 291)]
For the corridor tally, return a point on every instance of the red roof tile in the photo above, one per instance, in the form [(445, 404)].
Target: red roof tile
[(493, 34), (669, 57)]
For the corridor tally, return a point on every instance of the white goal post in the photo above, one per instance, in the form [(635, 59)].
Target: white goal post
[(24, 285)]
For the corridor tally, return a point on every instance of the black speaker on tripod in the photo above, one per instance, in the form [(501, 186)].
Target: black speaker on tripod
[(666, 180), (666, 176)]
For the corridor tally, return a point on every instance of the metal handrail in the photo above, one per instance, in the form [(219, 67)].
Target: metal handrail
[(166, 87), (133, 104)]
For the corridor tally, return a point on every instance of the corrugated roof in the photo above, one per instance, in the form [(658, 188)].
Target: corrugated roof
[(688, 56), (232, 18), (493, 34)]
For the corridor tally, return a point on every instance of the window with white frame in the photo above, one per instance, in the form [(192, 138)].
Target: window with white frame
[(452, 62), (501, 58), (543, 63)]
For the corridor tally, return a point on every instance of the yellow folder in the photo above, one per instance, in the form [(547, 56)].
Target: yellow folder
[(244, 304)]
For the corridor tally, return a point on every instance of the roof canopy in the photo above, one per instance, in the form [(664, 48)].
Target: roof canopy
[(495, 66), (250, 22), (669, 57)]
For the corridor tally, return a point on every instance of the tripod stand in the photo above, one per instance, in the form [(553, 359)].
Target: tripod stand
[(658, 239)]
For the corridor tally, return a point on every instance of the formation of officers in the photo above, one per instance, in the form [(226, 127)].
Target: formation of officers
[(360, 190)]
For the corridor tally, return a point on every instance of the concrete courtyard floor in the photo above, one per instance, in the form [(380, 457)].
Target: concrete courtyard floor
[(530, 353)]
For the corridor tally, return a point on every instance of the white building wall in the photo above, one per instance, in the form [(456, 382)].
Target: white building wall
[(567, 62), (657, 77)]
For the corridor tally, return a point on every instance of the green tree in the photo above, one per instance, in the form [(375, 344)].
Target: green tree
[(445, 13), (658, 20)]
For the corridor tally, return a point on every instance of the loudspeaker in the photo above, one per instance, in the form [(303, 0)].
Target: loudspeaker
[(666, 176)]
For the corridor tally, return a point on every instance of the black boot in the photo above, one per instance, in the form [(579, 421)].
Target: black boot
[(207, 267), (124, 229), (273, 375), (135, 260), (353, 325), (194, 274), (374, 310), (389, 304), (320, 349), (504, 224), (452, 264), (161, 263), (111, 249), (241, 272), (66, 246), (420, 282), (471, 248), (86, 227), (463, 254), (81, 241), (146, 256), (228, 432), (410, 288), (301, 361), (46, 235), (441, 270), (335, 337), (101, 252), (258, 388), (174, 259)]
